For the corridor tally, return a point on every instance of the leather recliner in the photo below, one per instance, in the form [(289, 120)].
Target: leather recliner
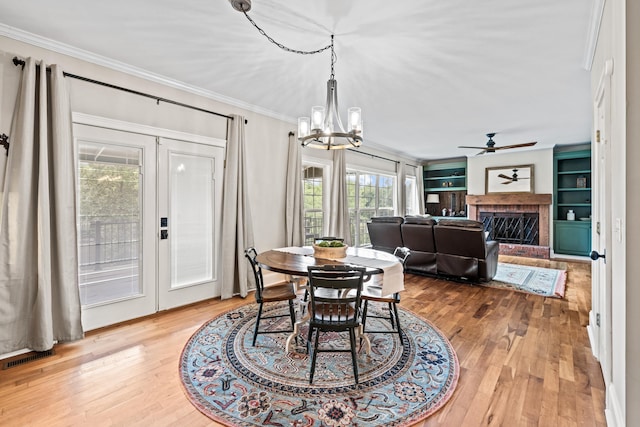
[(417, 235), (463, 250), (384, 232)]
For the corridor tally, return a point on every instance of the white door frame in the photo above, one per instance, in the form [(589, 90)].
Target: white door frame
[(120, 125)]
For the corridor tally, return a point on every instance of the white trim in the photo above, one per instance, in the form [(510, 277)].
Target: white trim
[(104, 122), (74, 52), (15, 353), (613, 411), (593, 336), (595, 20)]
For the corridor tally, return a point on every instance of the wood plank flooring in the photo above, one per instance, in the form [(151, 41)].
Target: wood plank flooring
[(525, 361)]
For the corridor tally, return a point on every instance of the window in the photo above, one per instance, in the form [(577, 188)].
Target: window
[(313, 177), (369, 194), (411, 196)]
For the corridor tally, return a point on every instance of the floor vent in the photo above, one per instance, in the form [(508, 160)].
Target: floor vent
[(30, 357)]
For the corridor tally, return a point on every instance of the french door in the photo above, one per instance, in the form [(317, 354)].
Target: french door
[(148, 219)]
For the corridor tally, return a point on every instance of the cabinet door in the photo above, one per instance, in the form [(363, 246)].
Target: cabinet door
[(572, 237)]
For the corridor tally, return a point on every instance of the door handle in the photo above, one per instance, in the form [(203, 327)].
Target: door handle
[(595, 255)]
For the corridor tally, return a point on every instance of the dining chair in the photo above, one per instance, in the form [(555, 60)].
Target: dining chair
[(273, 293), (373, 293), (334, 306)]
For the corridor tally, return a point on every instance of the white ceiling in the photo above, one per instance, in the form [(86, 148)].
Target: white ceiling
[(429, 74)]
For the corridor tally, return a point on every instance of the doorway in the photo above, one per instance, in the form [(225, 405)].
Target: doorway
[(149, 205)]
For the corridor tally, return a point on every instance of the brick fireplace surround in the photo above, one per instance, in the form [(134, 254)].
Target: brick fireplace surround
[(516, 203)]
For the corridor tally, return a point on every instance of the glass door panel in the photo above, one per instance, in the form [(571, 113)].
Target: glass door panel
[(192, 217), (116, 213), (189, 206)]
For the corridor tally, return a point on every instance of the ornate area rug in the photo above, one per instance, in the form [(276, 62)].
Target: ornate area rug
[(546, 282), (401, 381)]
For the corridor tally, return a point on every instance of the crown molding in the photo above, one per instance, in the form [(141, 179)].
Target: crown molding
[(84, 55), (597, 10)]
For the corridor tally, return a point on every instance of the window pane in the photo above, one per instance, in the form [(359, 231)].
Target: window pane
[(192, 219), (109, 218), (312, 184)]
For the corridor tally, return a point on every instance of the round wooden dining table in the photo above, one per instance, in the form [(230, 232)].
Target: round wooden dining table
[(295, 262)]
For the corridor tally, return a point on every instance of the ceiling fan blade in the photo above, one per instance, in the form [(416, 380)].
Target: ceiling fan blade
[(508, 182), (526, 144), (475, 148), (503, 176)]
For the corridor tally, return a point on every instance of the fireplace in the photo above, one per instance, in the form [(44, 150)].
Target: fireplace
[(509, 227), (516, 212)]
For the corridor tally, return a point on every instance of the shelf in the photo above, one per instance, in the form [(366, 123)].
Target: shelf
[(436, 189), (572, 237), (442, 178), (574, 172)]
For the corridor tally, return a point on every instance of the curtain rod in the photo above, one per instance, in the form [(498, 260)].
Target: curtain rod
[(378, 157), (17, 61)]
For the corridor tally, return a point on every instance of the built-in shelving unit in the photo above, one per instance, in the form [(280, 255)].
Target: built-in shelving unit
[(572, 192), (447, 179)]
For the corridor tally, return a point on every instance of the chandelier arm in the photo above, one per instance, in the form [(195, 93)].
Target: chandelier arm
[(336, 110), (283, 47)]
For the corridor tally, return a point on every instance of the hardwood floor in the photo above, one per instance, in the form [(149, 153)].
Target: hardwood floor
[(525, 360)]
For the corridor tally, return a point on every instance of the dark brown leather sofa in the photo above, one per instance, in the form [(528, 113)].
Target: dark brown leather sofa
[(449, 248)]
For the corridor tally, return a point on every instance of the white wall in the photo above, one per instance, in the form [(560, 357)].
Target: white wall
[(542, 161)]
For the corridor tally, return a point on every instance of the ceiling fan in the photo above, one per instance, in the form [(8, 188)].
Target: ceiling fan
[(491, 145), (513, 178)]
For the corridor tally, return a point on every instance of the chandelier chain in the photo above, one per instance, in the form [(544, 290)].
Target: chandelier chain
[(287, 49)]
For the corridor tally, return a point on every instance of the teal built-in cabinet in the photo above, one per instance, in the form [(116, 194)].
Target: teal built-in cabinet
[(448, 180), (572, 193)]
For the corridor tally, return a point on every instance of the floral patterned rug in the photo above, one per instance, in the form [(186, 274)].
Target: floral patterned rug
[(402, 381)]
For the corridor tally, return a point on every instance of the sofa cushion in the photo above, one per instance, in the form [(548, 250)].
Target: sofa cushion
[(389, 219), (426, 220), (464, 223)]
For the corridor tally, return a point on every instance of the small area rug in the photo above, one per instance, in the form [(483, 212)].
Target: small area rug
[(546, 282), (234, 383)]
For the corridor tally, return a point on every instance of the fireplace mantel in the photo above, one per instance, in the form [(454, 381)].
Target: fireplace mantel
[(509, 199), (514, 202)]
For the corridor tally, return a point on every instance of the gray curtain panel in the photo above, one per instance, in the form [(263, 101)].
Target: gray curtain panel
[(339, 209), (294, 215), (420, 185), (237, 227), (402, 195), (39, 296)]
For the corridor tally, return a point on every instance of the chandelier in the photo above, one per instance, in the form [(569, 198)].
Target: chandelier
[(324, 129)]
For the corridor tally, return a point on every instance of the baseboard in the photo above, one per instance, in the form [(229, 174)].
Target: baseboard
[(592, 331), (613, 410), (14, 353)]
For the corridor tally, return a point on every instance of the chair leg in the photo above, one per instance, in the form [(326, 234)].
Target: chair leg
[(364, 316), (352, 339), (395, 311), (292, 313), (313, 358), (309, 336), (391, 316), (255, 332)]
